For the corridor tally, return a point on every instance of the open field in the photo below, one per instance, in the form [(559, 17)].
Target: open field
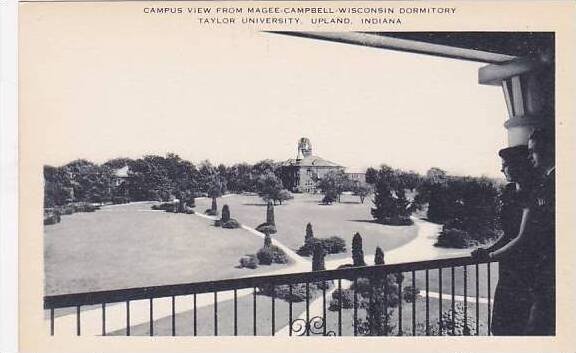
[(340, 219), (132, 246)]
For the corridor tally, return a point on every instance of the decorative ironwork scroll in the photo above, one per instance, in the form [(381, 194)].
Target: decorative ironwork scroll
[(315, 326)]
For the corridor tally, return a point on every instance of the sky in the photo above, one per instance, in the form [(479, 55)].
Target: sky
[(116, 89)]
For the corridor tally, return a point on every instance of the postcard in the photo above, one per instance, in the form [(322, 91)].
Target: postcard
[(277, 175)]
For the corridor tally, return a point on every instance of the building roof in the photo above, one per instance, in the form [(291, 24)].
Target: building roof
[(122, 172), (311, 161)]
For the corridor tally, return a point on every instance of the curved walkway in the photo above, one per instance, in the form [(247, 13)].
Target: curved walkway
[(91, 320)]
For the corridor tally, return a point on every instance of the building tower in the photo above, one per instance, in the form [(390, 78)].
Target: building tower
[(304, 148)]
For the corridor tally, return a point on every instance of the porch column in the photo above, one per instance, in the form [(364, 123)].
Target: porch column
[(528, 87)]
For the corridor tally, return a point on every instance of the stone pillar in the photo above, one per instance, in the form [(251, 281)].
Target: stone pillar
[(528, 87)]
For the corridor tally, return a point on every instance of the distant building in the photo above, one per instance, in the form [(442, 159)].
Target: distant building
[(358, 176), (120, 175), (302, 173)]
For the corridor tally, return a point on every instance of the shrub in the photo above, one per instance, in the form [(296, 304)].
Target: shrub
[(331, 245), (120, 200), (225, 214), (334, 245), (266, 228), (264, 256), (66, 210), (345, 296), (454, 238), (231, 224), (357, 252), (249, 261), (298, 293), (271, 254), (84, 207), (267, 240), (363, 286), (51, 217), (309, 233), (409, 294), (166, 206), (211, 212)]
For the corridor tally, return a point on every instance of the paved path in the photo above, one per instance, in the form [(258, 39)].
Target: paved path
[(417, 249), (91, 320)]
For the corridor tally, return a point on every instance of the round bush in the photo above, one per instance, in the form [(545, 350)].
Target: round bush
[(265, 256), (346, 296), (231, 224), (409, 294), (211, 212), (249, 261), (267, 228)]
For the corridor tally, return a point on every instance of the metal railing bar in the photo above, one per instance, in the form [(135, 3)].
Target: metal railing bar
[(103, 319), (111, 296), (466, 330), (78, 332), (151, 316), (51, 321), (453, 302), (386, 304), (340, 307), (173, 316), (290, 310), (273, 310), (235, 312), (215, 313), (254, 311), (413, 303), (127, 318), (324, 285), (355, 306), (440, 322), (489, 304), (307, 306), (477, 300), (195, 317), (427, 304), (399, 281)]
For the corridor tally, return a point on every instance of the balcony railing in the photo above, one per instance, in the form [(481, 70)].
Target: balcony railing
[(305, 299)]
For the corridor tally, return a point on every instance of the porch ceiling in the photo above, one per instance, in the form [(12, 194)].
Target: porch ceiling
[(489, 47)]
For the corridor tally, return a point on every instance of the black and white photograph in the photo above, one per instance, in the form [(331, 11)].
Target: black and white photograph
[(204, 181)]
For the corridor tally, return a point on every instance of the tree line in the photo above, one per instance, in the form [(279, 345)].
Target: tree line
[(468, 207), (158, 178)]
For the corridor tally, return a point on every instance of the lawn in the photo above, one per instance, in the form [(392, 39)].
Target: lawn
[(205, 318), (341, 219), (132, 246)]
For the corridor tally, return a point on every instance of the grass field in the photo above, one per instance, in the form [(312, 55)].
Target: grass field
[(340, 219), (132, 246)]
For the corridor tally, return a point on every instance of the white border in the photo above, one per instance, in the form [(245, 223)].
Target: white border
[(8, 176)]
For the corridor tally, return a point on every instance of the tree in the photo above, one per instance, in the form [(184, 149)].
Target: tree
[(309, 233), (269, 187), (268, 227), (270, 214), (390, 201), (225, 214), (362, 190), (378, 256), (357, 252), (318, 258), (333, 184), (267, 240), (284, 195), (371, 175)]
